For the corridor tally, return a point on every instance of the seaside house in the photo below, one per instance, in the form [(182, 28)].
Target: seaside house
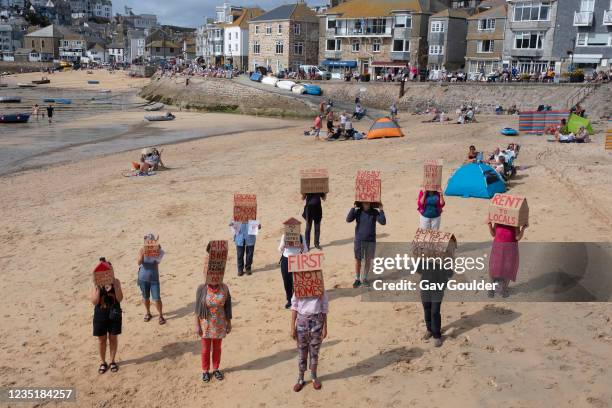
[(583, 35), (161, 44), (189, 48), (102, 9), (485, 40), (236, 38), (116, 53), (213, 33), (96, 52), (7, 46), (375, 36), (284, 38), (447, 41), (528, 40), (44, 43), (73, 46), (135, 45)]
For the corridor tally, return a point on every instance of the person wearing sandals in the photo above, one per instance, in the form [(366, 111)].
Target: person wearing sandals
[(148, 281), (309, 328), (107, 318), (504, 259), (213, 321)]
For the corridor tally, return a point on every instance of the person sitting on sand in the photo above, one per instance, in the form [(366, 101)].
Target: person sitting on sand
[(562, 130), (472, 155), (470, 116), (578, 110), (148, 281), (435, 118), (512, 110), (582, 136), (349, 132), (493, 156)]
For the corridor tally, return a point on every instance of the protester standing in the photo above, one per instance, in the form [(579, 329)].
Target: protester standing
[(313, 213), (148, 281), (107, 318), (366, 217), (245, 246), (309, 328), (431, 299), (504, 260), (429, 205), (287, 251)]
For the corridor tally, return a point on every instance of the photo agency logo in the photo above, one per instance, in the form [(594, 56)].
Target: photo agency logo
[(437, 268)]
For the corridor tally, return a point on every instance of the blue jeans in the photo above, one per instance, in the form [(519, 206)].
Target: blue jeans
[(150, 290)]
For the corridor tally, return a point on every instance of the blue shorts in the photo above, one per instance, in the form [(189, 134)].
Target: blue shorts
[(150, 290), (364, 249)]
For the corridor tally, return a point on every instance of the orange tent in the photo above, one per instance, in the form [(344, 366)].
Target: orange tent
[(384, 127)]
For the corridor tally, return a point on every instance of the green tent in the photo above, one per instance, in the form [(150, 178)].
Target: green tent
[(575, 122)]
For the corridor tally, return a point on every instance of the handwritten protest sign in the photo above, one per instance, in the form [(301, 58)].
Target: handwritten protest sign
[(368, 186), (433, 243), (432, 175), (253, 228), (307, 270), (152, 248), (292, 233), (214, 263), (508, 210), (245, 207), (104, 274), (314, 181)]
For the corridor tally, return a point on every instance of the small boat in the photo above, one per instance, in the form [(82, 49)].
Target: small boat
[(256, 76), (154, 107), (160, 118), (286, 85), (269, 80), (105, 90), (93, 82), (15, 118), (62, 101), (26, 85), (10, 99), (298, 89), (42, 81), (3, 85), (312, 89)]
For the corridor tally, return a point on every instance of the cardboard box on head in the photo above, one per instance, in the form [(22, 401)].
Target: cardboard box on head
[(314, 181), (307, 270), (152, 248), (433, 243), (214, 262), (509, 210), (103, 274), (432, 175), (245, 207), (292, 233), (368, 186)]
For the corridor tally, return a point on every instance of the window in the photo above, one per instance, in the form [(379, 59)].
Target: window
[(403, 21), (235, 47), (528, 39), (332, 45), (157, 49), (355, 46), (42, 43), (437, 27), (436, 50), (331, 24), (297, 28), (376, 45), (378, 26), (587, 5), (592, 39), (486, 46), (280, 29), (256, 29), (279, 47), (171, 50), (401, 45), (487, 24), (256, 48), (269, 30), (298, 48), (531, 11), (32, 43)]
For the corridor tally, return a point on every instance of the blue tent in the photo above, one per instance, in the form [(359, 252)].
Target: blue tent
[(475, 180)]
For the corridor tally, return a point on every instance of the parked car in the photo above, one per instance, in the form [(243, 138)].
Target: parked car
[(319, 72)]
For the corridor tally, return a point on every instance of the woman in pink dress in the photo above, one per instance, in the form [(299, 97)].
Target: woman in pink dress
[(504, 261)]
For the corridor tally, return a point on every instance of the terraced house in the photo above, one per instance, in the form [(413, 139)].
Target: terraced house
[(284, 38), (447, 41), (485, 41), (372, 36)]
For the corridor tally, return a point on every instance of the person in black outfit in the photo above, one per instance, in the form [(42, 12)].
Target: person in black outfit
[(313, 213), (50, 110), (107, 319)]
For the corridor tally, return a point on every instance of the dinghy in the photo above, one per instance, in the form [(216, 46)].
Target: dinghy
[(286, 85), (10, 99), (269, 80), (160, 118), (298, 89), (15, 118), (154, 107)]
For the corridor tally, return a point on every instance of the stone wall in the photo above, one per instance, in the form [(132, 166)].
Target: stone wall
[(17, 67)]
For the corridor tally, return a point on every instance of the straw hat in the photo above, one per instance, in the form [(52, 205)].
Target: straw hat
[(147, 150)]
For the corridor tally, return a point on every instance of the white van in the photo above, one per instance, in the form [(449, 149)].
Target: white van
[(323, 73)]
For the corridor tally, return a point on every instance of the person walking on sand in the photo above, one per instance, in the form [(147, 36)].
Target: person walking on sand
[(107, 318), (429, 205), (313, 213), (393, 112), (213, 321), (366, 217), (317, 127), (50, 110), (35, 111), (245, 246), (309, 328), (287, 251), (504, 259), (148, 281)]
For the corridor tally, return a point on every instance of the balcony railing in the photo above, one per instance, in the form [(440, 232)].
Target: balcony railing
[(400, 55), (583, 18), (333, 54), (375, 31), (607, 18)]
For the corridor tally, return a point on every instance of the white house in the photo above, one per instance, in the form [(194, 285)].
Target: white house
[(97, 53), (236, 38), (116, 53)]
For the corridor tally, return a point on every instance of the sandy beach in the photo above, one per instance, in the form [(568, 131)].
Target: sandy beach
[(56, 220)]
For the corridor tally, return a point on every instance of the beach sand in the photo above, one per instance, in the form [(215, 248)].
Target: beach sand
[(56, 221), (115, 81)]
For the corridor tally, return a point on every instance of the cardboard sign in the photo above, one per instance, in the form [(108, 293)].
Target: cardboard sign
[(432, 175), (104, 274), (433, 243), (508, 210), (307, 271), (314, 181), (368, 186), (214, 263), (151, 248), (245, 207), (292, 233)]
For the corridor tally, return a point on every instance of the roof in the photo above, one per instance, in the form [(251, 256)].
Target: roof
[(286, 12), (116, 46), (382, 8), (48, 31), (245, 16), (495, 12), (166, 44), (292, 221), (451, 13)]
